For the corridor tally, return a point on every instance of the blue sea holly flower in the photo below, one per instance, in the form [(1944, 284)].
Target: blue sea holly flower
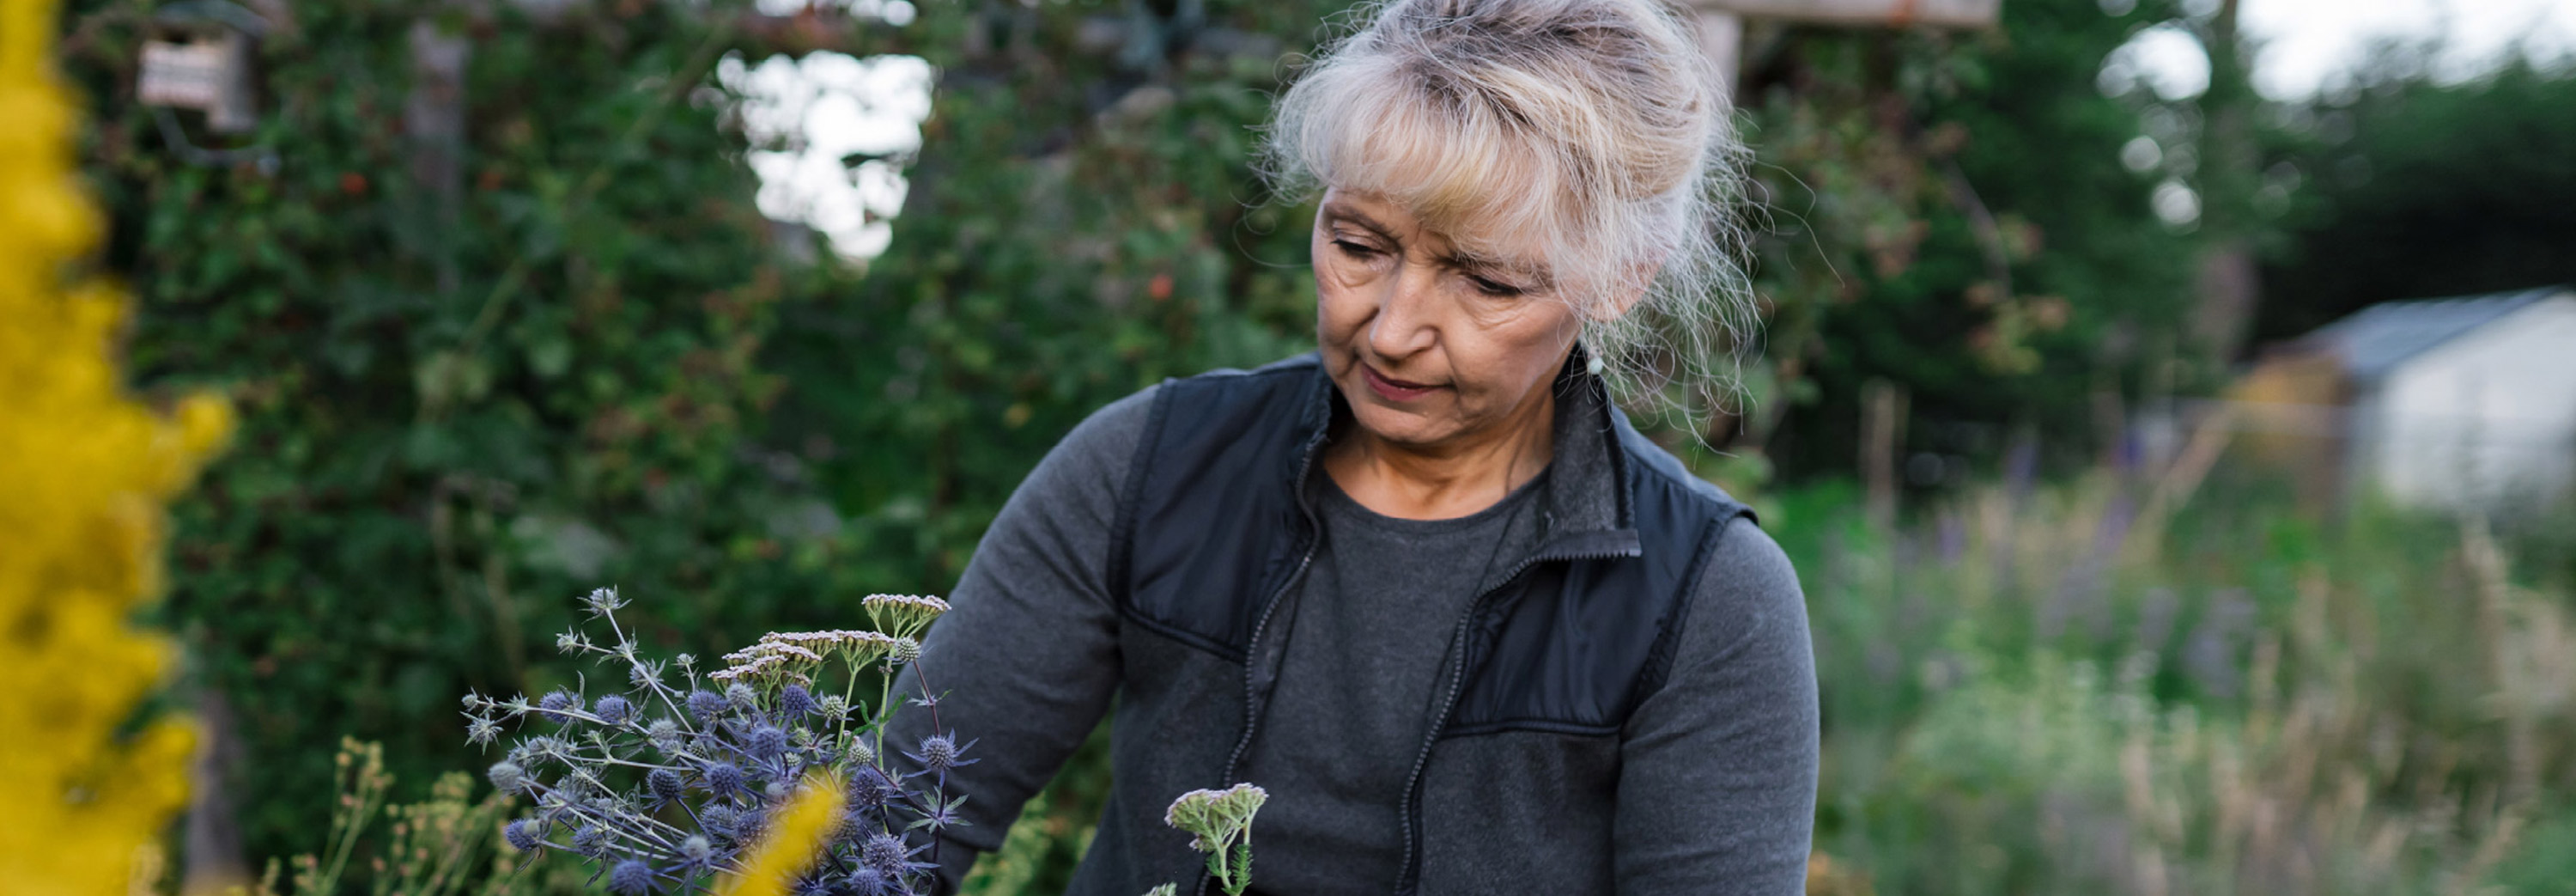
[(556, 703), (697, 849), (603, 601), (767, 741), (718, 819), (869, 788), (723, 778), (795, 701), (508, 777), (523, 835), (868, 881), (940, 752), (888, 854), (742, 696), (590, 840), (664, 783), (631, 877), (706, 705), (613, 709)]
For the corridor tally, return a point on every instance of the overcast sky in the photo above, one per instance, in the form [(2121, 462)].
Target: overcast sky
[(2306, 43)]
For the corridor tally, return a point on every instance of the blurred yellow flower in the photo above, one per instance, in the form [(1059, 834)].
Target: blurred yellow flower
[(84, 474)]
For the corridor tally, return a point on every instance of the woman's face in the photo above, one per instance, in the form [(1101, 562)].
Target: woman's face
[(1430, 345)]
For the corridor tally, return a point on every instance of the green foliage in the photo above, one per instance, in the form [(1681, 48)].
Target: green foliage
[(2025, 696), (466, 397), (2407, 188), (454, 401), (1949, 212)]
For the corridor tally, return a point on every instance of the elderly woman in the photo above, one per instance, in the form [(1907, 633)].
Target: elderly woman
[(1425, 585)]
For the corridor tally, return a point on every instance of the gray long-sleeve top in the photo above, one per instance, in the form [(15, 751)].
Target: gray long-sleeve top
[(1715, 771)]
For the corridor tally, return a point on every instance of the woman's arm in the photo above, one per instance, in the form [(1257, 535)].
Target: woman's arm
[(1717, 782), (1026, 659)]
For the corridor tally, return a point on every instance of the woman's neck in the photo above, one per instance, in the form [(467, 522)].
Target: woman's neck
[(1453, 479)]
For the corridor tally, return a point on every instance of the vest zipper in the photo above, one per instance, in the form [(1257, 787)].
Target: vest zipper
[(1252, 660), (1408, 874)]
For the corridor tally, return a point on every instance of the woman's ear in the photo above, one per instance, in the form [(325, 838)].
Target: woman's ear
[(1624, 293)]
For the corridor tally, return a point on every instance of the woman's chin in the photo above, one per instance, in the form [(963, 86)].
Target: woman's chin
[(1400, 425)]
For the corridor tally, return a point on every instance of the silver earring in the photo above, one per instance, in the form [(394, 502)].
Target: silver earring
[(1593, 366)]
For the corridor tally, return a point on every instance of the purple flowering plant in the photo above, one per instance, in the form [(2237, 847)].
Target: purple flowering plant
[(664, 785)]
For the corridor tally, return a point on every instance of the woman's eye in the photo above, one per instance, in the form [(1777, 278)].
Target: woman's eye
[(1493, 288), (1356, 250)]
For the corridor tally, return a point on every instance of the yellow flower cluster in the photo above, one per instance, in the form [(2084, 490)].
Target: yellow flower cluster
[(84, 474)]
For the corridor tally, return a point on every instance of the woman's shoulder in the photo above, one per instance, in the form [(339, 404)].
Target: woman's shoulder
[(1746, 601)]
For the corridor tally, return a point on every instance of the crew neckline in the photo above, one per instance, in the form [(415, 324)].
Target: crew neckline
[(1337, 499)]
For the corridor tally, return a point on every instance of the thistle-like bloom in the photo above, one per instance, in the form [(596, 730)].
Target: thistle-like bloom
[(767, 741), (665, 736), (742, 696), (723, 777), (706, 705), (612, 709), (522, 835), (557, 703), (508, 777), (867, 881), (664, 784), (794, 701), (890, 855), (869, 788), (940, 752), (904, 651), (718, 819), (590, 840), (480, 730), (697, 849), (631, 877), (603, 601)]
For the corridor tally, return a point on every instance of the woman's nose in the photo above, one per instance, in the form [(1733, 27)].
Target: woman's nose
[(1406, 314)]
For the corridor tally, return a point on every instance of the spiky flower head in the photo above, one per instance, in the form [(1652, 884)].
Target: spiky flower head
[(697, 849), (507, 777), (887, 853), (869, 788), (602, 602), (480, 730), (723, 777), (665, 735), (706, 705), (630, 877), (523, 835), (794, 701), (941, 752), (664, 784), (590, 840), (557, 703), (718, 819), (644, 674), (767, 741), (867, 881), (742, 696), (905, 651), (613, 709), (903, 615)]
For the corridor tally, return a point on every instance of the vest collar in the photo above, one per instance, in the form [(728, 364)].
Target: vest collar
[(1585, 510)]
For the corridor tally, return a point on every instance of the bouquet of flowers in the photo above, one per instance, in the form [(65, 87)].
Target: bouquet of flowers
[(667, 782)]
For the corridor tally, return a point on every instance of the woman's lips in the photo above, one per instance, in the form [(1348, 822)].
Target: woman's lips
[(1394, 389)]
